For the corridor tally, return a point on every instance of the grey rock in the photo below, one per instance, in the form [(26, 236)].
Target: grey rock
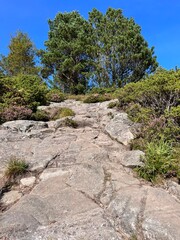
[(119, 128), (133, 159), (84, 188), (11, 197), (24, 125), (28, 182)]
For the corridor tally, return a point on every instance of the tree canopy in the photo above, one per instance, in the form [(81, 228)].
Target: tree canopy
[(121, 54), (21, 57), (107, 50), (67, 54)]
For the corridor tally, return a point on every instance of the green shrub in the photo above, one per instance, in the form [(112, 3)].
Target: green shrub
[(174, 114), (113, 104), (40, 115), (101, 91), (63, 112), (139, 114), (70, 123), (75, 97), (55, 95), (159, 162), (159, 92), (15, 113), (97, 98), (16, 167), (79, 89), (32, 89)]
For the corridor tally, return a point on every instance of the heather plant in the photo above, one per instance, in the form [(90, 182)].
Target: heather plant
[(63, 112), (55, 95), (15, 113)]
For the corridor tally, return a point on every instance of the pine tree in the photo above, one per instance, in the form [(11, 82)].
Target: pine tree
[(21, 57)]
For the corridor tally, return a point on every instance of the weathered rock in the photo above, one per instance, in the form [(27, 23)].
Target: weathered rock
[(24, 125), (119, 128), (133, 159), (52, 172), (28, 182), (174, 188), (11, 197), (86, 189)]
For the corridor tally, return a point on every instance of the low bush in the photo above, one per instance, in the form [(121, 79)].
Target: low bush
[(40, 115), (101, 90), (139, 114), (75, 97), (94, 98), (70, 123), (55, 95), (159, 92), (154, 102), (15, 113), (15, 167), (159, 162), (113, 104), (63, 112)]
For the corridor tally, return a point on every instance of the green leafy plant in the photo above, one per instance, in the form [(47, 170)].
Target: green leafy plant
[(70, 123), (16, 167), (63, 112), (94, 98), (113, 104), (40, 115), (55, 95), (158, 162)]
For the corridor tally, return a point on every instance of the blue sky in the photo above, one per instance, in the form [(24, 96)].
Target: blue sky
[(159, 20)]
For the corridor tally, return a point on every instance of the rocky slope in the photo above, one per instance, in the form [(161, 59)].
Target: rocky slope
[(81, 186)]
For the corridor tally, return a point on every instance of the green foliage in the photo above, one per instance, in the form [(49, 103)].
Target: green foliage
[(159, 162), (139, 114), (154, 102), (63, 112), (67, 51), (21, 57), (79, 89), (70, 123), (15, 113), (16, 167), (113, 104), (32, 88), (101, 90), (26, 90), (107, 50), (121, 55), (40, 115), (174, 114), (94, 98), (160, 91), (55, 95)]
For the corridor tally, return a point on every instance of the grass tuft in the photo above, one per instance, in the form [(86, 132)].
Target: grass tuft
[(16, 167)]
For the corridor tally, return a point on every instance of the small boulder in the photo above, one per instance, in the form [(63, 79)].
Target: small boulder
[(11, 197), (133, 158), (28, 182)]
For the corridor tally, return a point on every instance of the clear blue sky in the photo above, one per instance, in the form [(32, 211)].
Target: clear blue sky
[(159, 20)]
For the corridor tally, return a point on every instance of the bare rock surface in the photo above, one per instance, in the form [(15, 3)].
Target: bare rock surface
[(83, 187)]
